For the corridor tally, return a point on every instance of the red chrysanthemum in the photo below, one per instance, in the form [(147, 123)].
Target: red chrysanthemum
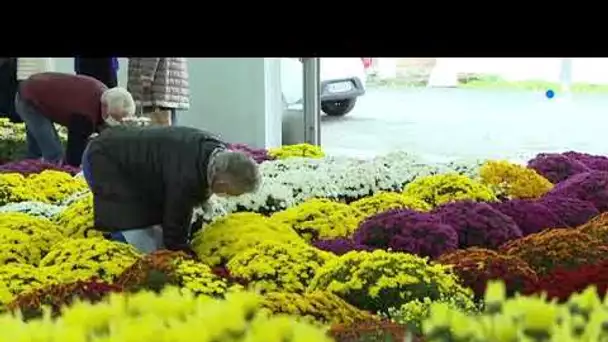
[(562, 283), (477, 266)]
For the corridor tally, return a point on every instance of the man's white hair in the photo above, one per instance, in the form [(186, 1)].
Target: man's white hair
[(237, 168), (118, 100)]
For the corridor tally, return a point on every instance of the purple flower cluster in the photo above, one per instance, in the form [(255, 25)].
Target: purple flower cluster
[(478, 224), (260, 155), (597, 163), (587, 186), (556, 167), (340, 246), (571, 211), (408, 231), (529, 215), (31, 166)]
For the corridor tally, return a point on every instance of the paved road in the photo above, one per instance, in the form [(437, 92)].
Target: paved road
[(444, 124)]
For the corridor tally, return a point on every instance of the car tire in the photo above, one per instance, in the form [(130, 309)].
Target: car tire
[(338, 107)]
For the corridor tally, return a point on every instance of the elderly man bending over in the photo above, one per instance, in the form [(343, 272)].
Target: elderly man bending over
[(81, 103), (147, 181)]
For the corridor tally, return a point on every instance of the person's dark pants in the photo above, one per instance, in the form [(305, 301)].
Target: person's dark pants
[(41, 135), (102, 69), (9, 85), (80, 129)]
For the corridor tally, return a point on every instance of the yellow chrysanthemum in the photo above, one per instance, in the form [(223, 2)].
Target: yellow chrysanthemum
[(219, 241), (18, 278), (174, 315), (513, 180), (384, 201), (42, 233), (297, 150), (78, 259), (520, 318), (378, 280), (439, 189), (55, 186), (77, 220), (272, 266), (320, 219)]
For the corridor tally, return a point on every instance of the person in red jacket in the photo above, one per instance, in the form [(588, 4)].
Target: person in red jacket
[(81, 103)]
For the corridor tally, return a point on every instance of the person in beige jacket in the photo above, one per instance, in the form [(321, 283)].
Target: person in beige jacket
[(160, 86)]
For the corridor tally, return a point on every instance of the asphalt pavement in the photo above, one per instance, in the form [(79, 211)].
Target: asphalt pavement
[(448, 123)]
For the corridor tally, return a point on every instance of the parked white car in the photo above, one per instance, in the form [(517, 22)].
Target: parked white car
[(342, 82)]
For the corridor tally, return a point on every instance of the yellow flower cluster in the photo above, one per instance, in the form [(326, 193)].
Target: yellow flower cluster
[(49, 186), (581, 319), (55, 186), (13, 189), (36, 234), (384, 201), (316, 306), (173, 316), (80, 259), (378, 280), (14, 248), (219, 241), (443, 188), (297, 150), (18, 278), (320, 219), (77, 220), (278, 266), (513, 180), (198, 278), (413, 313)]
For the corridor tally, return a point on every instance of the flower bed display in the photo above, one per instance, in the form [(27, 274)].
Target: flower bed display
[(328, 249)]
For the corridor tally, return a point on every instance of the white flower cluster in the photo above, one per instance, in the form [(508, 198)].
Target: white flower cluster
[(75, 197), (288, 182), (32, 208)]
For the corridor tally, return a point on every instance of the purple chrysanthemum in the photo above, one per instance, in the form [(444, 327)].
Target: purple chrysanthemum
[(594, 162), (478, 224), (556, 167), (530, 216), (588, 186), (260, 155), (408, 231), (571, 211), (31, 166), (340, 246)]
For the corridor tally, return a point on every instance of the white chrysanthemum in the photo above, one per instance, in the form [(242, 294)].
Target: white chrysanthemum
[(75, 197), (213, 209), (288, 182), (32, 208), (469, 168)]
